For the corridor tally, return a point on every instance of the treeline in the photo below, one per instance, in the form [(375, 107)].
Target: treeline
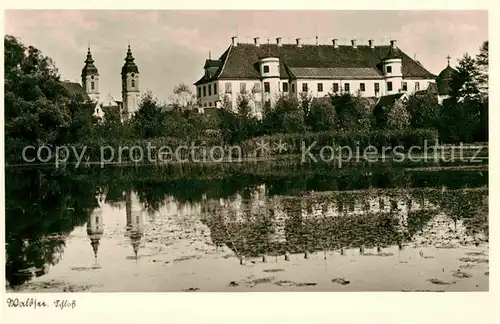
[(39, 110)]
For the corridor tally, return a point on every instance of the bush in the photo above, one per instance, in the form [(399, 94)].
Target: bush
[(362, 139)]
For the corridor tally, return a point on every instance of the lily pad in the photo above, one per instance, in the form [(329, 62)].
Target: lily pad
[(341, 281), (461, 275), (440, 282), (476, 260)]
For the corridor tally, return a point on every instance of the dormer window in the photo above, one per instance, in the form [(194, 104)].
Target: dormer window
[(389, 69), (92, 77), (132, 75), (266, 68)]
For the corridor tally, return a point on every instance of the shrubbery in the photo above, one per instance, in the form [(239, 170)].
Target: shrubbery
[(362, 139)]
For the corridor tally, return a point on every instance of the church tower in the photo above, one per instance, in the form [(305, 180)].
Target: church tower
[(95, 226), (90, 78), (130, 85), (135, 221)]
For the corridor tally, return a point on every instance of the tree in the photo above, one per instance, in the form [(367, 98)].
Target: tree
[(482, 67), (305, 102), (464, 114), (182, 97), (243, 103), (464, 85), (424, 110), (286, 117), (351, 113), (38, 109), (398, 117), (149, 120), (321, 116)]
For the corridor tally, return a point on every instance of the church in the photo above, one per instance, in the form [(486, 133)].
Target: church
[(266, 71), (89, 89)]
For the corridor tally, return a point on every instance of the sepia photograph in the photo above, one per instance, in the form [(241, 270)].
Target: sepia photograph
[(246, 151)]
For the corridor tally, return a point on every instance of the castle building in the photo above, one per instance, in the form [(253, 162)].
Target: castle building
[(130, 87), (266, 71)]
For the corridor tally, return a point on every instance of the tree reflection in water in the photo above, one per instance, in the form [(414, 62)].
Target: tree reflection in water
[(254, 215)]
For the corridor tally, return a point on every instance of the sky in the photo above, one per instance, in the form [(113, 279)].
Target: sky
[(170, 47)]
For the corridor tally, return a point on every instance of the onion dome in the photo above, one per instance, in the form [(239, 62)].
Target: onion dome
[(444, 79), (89, 67), (129, 66)]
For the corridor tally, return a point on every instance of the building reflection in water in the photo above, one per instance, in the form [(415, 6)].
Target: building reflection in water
[(263, 225), (95, 224), (135, 221)]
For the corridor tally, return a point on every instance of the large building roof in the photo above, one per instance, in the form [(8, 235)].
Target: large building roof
[(75, 88), (241, 61)]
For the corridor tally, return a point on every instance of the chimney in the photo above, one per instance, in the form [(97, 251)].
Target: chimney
[(234, 40), (278, 41), (393, 44), (335, 43), (256, 41), (371, 43), (299, 42), (353, 42)]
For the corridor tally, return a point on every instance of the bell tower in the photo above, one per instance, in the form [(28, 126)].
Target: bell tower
[(90, 78), (130, 85)]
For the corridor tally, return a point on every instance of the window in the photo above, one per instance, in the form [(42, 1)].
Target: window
[(204, 91), (243, 87), (133, 83), (347, 87), (362, 87), (256, 87), (228, 88), (389, 69), (215, 88), (205, 104), (267, 87), (304, 87), (389, 86), (417, 86), (285, 86), (377, 88), (209, 89), (199, 92), (97, 220), (293, 87), (210, 104), (404, 86), (92, 85), (335, 87), (266, 68), (320, 87)]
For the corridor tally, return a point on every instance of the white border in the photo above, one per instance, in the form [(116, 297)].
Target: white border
[(277, 307)]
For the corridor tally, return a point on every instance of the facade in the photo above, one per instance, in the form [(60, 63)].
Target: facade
[(266, 71), (130, 87)]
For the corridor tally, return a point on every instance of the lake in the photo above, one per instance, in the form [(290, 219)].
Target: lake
[(151, 229)]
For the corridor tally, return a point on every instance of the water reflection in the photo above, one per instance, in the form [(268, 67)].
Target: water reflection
[(135, 223), (253, 216)]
